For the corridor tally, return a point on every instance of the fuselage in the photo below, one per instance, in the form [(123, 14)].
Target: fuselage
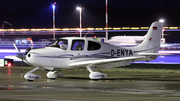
[(69, 50)]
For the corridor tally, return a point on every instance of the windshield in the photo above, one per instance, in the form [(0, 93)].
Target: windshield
[(52, 43), (61, 43)]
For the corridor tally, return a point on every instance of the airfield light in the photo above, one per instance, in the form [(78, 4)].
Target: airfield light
[(80, 10), (53, 6), (161, 20), (9, 64)]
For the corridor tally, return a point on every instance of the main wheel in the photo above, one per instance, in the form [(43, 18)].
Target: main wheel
[(53, 78), (30, 80)]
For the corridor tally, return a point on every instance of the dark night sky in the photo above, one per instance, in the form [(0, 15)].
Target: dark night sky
[(38, 13)]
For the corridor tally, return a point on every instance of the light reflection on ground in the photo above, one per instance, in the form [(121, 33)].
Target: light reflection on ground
[(77, 85)]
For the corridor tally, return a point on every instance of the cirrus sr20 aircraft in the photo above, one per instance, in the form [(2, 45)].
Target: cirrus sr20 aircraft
[(75, 52)]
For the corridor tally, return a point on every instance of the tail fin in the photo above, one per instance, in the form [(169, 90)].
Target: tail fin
[(151, 43)]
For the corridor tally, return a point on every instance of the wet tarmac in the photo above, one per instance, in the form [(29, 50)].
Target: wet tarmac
[(76, 86)]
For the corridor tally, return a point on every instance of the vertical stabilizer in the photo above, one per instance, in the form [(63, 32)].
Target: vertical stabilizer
[(151, 43)]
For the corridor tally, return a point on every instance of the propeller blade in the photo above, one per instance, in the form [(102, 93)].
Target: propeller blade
[(21, 56), (16, 48)]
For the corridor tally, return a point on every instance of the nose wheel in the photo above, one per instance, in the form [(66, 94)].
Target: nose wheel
[(30, 76)]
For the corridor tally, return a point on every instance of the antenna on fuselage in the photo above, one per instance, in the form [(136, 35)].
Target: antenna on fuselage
[(87, 33)]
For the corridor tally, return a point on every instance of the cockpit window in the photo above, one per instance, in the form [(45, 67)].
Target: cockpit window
[(93, 46), (52, 43), (62, 44), (77, 45)]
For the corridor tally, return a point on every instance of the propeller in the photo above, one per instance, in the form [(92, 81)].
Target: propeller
[(21, 56)]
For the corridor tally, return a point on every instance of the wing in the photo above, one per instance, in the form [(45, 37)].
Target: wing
[(19, 56), (13, 57), (104, 61)]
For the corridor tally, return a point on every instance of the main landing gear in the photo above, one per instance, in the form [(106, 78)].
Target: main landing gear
[(95, 75), (54, 74), (30, 76)]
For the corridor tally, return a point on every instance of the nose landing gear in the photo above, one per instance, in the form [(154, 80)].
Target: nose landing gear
[(31, 76)]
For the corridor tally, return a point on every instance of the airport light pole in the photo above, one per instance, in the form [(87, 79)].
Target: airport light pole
[(54, 20), (80, 10), (3, 26), (106, 20)]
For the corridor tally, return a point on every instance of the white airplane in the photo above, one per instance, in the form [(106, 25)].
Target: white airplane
[(126, 40), (75, 52), (132, 40)]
